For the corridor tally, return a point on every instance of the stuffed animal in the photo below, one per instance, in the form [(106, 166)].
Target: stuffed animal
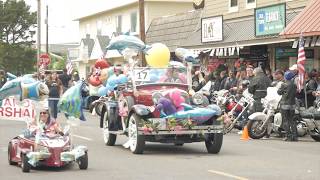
[(177, 99), (165, 105)]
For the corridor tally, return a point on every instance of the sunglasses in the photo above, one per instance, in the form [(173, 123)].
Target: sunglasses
[(43, 112)]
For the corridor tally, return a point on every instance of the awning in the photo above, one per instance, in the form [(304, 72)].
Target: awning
[(307, 22)]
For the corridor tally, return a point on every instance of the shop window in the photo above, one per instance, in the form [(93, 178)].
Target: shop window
[(233, 6), (250, 4), (134, 19)]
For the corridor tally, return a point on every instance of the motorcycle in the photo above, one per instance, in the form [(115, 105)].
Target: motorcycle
[(237, 111), (308, 121), (260, 122)]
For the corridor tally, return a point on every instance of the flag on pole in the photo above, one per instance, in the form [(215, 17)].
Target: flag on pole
[(69, 67), (300, 63)]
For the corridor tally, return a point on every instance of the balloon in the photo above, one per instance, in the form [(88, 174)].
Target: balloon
[(185, 55), (101, 63), (71, 102), (112, 81), (201, 115), (122, 79), (105, 74), (102, 91), (122, 42), (93, 90), (24, 88), (158, 56)]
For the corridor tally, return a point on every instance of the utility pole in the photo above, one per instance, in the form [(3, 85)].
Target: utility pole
[(38, 34), (142, 28), (47, 30)]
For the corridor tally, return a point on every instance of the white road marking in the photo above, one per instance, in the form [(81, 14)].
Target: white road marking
[(82, 137), (227, 175)]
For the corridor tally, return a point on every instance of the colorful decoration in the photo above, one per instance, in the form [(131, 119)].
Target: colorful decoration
[(122, 42), (186, 55), (105, 74), (70, 102), (24, 88), (166, 106), (101, 63), (158, 56), (94, 80), (177, 99)]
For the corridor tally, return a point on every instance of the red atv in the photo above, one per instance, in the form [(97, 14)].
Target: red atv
[(53, 151)]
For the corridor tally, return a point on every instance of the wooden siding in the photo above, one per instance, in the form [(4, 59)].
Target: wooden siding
[(221, 7)]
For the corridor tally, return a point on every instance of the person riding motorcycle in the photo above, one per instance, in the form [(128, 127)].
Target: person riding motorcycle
[(287, 106), (258, 87)]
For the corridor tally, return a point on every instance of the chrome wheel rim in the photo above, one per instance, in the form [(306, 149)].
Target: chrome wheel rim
[(105, 128), (132, 133)]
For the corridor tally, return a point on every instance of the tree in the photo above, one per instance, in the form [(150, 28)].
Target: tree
[(16, 22), (16, 37)]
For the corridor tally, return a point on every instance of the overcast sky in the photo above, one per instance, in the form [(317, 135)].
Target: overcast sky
[(62, 28)]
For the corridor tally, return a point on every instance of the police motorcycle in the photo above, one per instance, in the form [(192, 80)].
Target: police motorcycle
[(308, 121), (260, 122)]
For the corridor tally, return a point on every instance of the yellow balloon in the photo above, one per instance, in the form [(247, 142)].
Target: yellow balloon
[(158, 56)]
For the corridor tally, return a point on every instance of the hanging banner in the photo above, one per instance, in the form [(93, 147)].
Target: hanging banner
[(270, 20), (13, 109), (212, 29)]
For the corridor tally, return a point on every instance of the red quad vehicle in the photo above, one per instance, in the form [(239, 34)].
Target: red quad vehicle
[(51, 151), (142, 110)]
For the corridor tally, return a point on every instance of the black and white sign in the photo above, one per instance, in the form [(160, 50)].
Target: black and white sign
[(212, 29)]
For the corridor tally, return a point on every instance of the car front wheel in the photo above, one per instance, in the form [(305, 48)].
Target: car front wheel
[(109, 139), (25, 166), (137, 141), (83, 162)]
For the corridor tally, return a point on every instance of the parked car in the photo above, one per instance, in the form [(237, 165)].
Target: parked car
[(133, 110)]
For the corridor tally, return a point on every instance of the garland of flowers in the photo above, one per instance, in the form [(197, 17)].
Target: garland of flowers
[(172, 124)]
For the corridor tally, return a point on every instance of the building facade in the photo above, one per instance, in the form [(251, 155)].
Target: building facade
[(124, 18), (236, 32)]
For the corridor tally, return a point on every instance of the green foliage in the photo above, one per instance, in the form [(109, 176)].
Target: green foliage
[(16, 24), (16, 58)]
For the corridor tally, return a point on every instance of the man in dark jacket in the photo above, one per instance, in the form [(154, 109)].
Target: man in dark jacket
[(258, 87), (287, 106)]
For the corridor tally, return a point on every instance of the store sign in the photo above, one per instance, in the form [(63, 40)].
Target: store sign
[(212, 29), (270, 20), (283, 53)]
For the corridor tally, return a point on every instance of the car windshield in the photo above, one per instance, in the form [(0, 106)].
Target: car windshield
[(170, 75)]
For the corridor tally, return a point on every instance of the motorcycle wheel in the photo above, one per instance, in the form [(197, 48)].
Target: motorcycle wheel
[(253, 129), (316, 137)]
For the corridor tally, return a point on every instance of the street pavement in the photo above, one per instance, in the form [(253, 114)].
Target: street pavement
[(253, 159)]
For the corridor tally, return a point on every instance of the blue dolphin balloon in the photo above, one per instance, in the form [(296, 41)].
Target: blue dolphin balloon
[(186, 55), (122, 42)]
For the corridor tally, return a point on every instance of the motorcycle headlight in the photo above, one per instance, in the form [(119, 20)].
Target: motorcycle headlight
[(197, 99)]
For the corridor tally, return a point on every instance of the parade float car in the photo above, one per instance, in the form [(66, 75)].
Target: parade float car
[(56, 150), (140, 109)]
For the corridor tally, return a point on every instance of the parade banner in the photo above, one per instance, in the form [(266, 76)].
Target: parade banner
[(14, 109), (270, 20)]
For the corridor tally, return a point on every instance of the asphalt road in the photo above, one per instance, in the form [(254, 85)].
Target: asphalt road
[(253, 159)]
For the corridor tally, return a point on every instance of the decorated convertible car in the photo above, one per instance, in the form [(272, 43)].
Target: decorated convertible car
[(156, 106)]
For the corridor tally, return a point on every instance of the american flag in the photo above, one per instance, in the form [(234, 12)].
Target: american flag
[(300, 63), (69, 67)]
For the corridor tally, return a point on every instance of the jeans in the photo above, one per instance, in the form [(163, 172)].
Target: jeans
[(289, 124), (53, 108)]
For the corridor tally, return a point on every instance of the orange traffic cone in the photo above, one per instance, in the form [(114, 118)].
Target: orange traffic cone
[(245, 134)]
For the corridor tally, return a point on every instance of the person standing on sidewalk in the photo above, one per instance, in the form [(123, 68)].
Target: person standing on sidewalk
[(65, 79), (287, 106), (55, 91)]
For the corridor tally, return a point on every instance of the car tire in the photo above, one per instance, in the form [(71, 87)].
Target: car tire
[(316, 137), (252, 129), (213, 142), (9, 155), (109, 139), (83, 162), (25, 166), (137, 141)]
